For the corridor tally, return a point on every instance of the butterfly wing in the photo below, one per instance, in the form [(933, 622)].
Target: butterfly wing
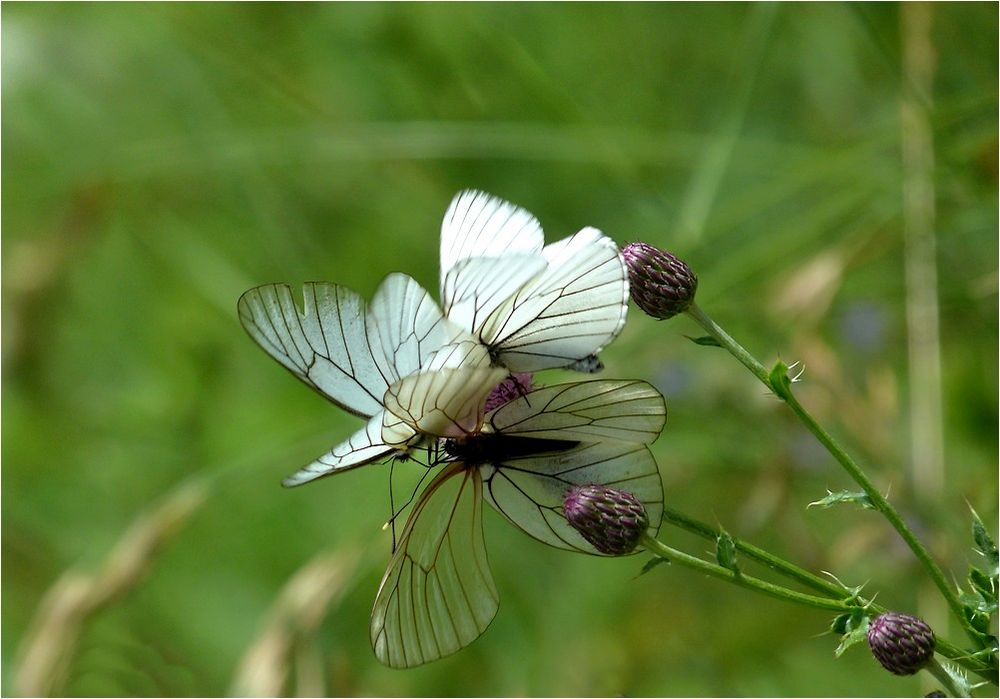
[(529, 490), (409, 325), (437, 595), (362, 447), (587, 411), (568, 312), (479, 225), (445, 403), (327, 344)]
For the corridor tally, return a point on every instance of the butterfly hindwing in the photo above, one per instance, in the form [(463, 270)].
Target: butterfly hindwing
[(362, 447), (438, 594), (587, 411), (529, 489)]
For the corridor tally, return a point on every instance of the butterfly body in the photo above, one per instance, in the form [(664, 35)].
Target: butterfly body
[(493, 448)]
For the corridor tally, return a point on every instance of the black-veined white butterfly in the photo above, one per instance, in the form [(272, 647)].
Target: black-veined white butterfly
[(438, 594), (352, 352), (534, 306)]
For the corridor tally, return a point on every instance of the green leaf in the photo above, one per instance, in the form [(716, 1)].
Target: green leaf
[(960, 680), (725, 552), (841, 624), (842, 496), (652, 563), (856, 631), (985, 545), (704, 340), (781, 384), (985, 585)]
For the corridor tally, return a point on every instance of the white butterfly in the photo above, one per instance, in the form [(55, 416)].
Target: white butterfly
[(352, 352), (438, 595), (534, 307)]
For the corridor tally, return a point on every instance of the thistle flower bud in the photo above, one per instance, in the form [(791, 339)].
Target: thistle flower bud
[(611, 520), (661, 284), (903, 644), (511, 388)]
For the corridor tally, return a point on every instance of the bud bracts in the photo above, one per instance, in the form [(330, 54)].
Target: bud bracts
[(661, 284), (903, 644), (611, 520)]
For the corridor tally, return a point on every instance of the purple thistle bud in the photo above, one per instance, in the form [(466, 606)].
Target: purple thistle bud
[(611, 520), (511, 388), (903, 644), (662, 284)]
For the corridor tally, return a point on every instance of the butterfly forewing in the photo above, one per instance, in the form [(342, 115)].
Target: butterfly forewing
[(591, 411), (326, 344), (479, 225), (567, 313), (529, 489), (409, 325), (437, 595)]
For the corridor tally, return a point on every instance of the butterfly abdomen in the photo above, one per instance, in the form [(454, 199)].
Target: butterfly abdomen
[(493, 448)]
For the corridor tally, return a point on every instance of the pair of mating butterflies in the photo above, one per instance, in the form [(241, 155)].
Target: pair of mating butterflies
[(422, 373)]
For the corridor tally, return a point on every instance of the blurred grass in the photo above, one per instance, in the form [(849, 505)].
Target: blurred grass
[(160, 159)]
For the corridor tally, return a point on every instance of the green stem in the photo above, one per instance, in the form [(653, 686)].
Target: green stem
[(957, 655), (763, 557), (751, 583), (942, 676), (853, 470), (732, 346)]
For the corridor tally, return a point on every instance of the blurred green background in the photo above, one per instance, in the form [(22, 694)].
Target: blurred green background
[(158, 160)]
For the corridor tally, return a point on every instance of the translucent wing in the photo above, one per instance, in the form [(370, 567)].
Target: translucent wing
[(587, 411), (409, 325), (437, 595), (363, 447), (529, 490), (445, 403), (479, 225), (326, 345), (567, 313)]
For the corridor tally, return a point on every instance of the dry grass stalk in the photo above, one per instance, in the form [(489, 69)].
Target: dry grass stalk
[(47, 652), (289, 632)]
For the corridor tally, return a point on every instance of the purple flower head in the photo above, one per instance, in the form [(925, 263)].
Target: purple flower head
[(661, 284), (611, 520), (903, 644), (511, 388)]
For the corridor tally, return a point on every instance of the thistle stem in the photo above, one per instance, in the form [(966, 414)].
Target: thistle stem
[(674, 556), (949, 650), (849, 465), (779, 565)]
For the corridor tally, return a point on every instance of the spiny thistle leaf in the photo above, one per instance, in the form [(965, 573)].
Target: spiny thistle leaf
[(704, 340), (856, 631), (985, 586), (780, 382), (725, 552), (985, 545), (843, 496), (959, 679)]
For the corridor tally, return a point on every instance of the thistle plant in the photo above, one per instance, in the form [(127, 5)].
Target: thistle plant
[(663, 285)]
